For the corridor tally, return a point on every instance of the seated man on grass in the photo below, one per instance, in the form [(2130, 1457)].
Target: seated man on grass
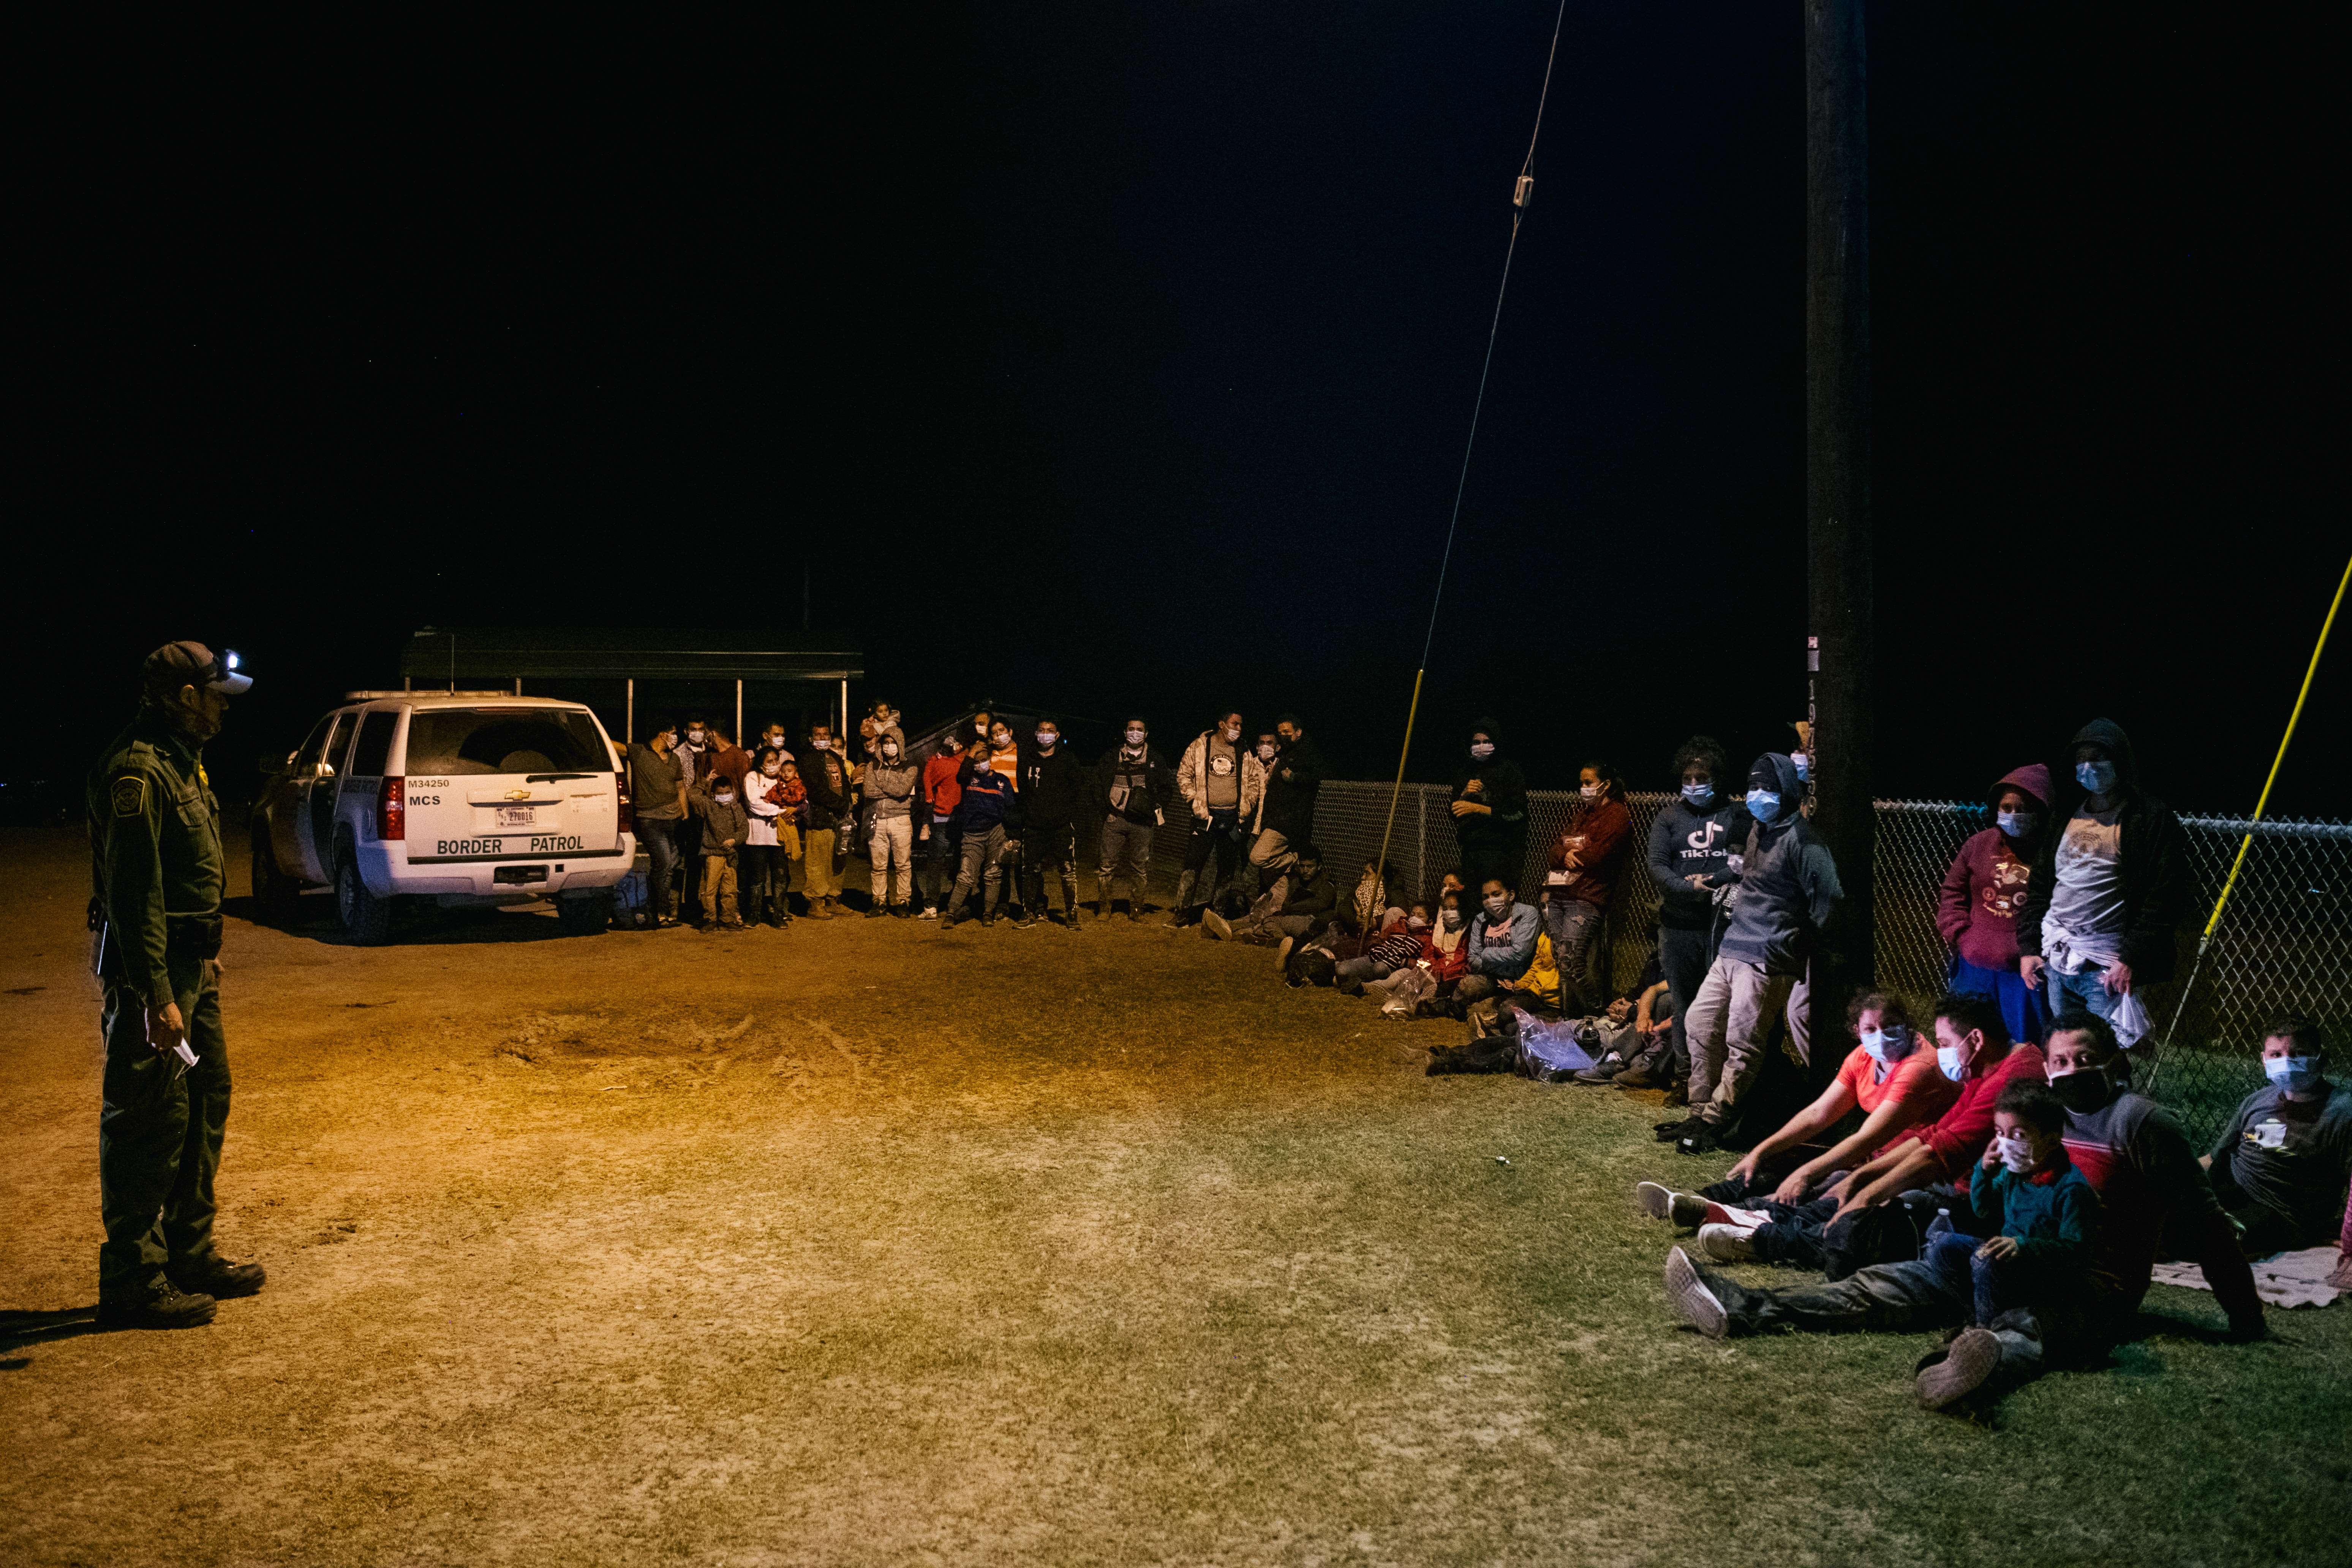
[(1300, 904), (2281, 1165), (1892, 1077), (2034, 1273), (1858, 1218), (2151, 1186)]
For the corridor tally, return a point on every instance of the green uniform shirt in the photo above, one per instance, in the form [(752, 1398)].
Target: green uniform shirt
[(156, 847)]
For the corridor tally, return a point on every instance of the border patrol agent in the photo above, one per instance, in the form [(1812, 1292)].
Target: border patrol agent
[(156, 875)]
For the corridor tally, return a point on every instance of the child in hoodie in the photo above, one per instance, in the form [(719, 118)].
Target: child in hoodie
[(1983, 891), (718, 804)]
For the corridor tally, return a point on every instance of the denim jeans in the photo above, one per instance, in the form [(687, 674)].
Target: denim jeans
[(2086, 989), (660, 838), (984, 867), (934, 855), (1126, 849), (1683, 958), (1892, 1297)]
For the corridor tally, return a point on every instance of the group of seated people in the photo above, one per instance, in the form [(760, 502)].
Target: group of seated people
[(2016, 1196)]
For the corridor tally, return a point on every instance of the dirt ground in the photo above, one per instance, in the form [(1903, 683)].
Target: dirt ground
[(868, 1243)]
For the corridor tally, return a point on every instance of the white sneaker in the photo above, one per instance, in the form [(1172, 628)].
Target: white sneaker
[(1727, 1243), (928, 913), (1686, 1209), (1693, 1300), (1215, 926), (1282, 952)]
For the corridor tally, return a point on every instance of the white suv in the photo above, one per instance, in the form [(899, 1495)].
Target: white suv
[(461, 798)]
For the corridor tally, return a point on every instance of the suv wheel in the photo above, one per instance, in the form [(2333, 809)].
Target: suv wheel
[(273, 889), (586, 916), (367, 918)]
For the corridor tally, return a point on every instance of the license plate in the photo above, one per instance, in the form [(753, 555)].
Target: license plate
[(518, 815)]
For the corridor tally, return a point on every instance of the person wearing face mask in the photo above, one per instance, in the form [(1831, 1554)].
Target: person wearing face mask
[(984, 805), (657, 794), (1689, 862), (2030, 1277), (1490, 808), (2280, 1163), (692, 752), (725, 824), (1982, 893), (771, 843), (1309, 897), (1224, 784), (1789, 893), (1442, 960), (880, 724), (935, 829), (829, 784), (1891, 1075), (1585, 865), (1294, 777), (2110, 883), (1133, 785), (1053, 793), (773, 739), (1874, 1212), (886, 786), (1395, 946), (1502, 938)]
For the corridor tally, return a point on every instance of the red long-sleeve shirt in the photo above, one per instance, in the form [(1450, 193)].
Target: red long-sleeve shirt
[(1598, 835), (941, 791), (1957, 1138)]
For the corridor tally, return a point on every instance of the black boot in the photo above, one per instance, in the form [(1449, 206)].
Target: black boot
[(167, 1307), (214, 1276)]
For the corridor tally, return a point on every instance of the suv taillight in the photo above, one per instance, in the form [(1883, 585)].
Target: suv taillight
[(392, 809), (628, 813)]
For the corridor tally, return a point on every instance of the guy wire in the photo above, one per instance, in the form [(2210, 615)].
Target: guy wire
[(1519, 194)]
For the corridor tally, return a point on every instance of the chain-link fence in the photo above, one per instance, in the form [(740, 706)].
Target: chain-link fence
[(2285, 946)]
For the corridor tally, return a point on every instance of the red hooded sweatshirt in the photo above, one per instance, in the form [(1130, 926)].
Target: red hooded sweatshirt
[(1985, 887)]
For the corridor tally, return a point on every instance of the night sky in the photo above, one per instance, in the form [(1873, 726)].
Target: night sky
[(1117, 356)]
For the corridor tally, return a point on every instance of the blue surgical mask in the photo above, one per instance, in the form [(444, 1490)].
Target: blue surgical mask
[(1954, 1065), (2018, 823), (1887, 1047), (2097, 777), (1482, 750), (1699, 795), (2292, 1072), (1763, 805), (1805, 765)]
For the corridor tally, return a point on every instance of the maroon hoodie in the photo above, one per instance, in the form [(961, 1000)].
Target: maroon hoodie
[(1985, 887)]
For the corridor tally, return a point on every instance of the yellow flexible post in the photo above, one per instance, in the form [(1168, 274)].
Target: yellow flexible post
[(2246, 843), (1401, 755)]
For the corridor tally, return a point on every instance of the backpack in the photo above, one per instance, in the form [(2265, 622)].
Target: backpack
[(1310, 966)]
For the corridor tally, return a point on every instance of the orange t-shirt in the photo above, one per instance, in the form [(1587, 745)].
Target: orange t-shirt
[(1917, 1085)]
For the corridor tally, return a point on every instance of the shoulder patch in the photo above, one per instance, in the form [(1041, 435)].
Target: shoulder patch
[(130, 795)]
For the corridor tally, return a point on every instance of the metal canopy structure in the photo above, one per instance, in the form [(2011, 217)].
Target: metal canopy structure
[(439, 656), (448, 657)]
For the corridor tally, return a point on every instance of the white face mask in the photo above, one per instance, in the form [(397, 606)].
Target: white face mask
[(1231, 733), (2016, 1152), (1048, 738), (1590, 792), (724, 797), (980, 726), (1266, 753), (771, 769), (694, 737), (1481, 750), (821, 743), (1001, 742), (1135, 737)]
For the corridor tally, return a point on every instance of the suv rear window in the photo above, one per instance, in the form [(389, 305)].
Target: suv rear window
[(458, 741)]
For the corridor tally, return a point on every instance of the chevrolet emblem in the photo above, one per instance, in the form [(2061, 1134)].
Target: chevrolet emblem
[(518, 795)]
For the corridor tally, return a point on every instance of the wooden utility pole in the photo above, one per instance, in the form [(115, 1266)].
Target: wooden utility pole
[(1837, 484)]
